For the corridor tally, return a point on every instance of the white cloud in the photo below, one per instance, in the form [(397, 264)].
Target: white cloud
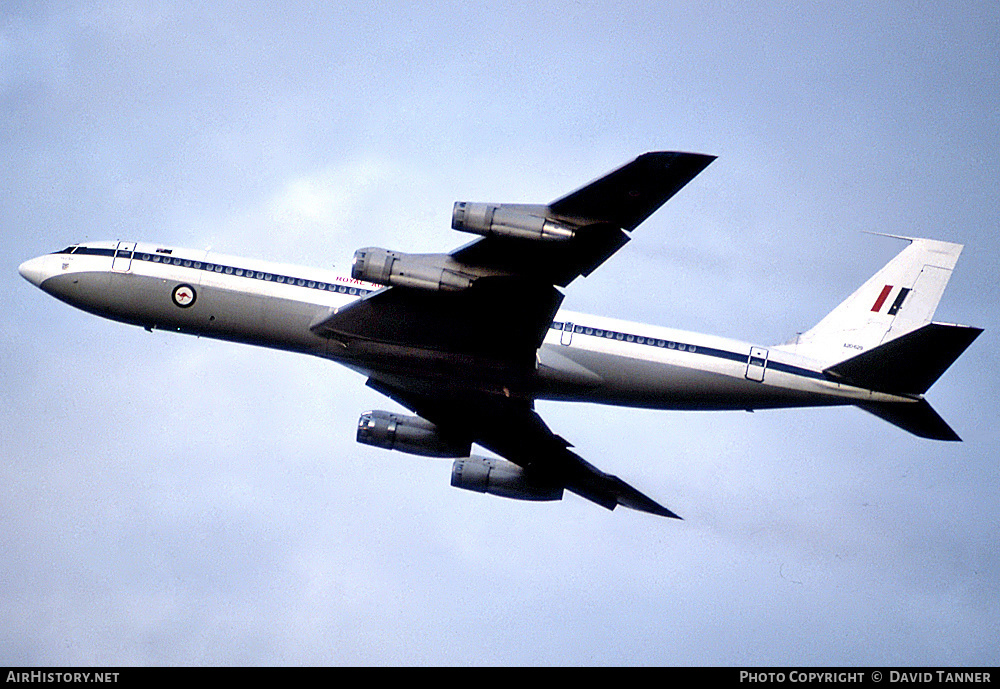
[(327, 198)]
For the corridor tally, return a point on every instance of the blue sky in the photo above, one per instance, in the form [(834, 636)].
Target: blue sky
[(174, 500)]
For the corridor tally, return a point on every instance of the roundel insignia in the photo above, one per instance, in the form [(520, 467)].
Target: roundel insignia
[(184, 295)]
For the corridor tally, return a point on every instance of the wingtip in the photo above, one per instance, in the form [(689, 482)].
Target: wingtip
[(671, 515), (650, 506), (664, 512), (653, 508), (704, 158)]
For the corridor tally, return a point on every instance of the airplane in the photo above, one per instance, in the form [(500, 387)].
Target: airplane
[(469, 340)]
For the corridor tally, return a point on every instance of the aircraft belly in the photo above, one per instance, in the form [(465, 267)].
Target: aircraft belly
[(662, 384)]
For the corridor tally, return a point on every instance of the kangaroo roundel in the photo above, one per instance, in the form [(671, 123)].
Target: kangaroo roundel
[(184, 296)]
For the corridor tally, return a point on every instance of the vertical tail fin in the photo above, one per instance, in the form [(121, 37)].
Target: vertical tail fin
[(897, 300)]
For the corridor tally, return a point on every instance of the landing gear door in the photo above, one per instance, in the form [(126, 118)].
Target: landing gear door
[(123, 257), (756, 364)]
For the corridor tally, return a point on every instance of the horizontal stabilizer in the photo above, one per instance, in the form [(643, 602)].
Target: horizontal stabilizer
[(919, 418), (908, 365)]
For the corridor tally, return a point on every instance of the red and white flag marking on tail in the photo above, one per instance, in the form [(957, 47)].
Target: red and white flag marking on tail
[(896, 304)]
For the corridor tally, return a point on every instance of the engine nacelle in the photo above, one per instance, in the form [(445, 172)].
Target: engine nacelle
[(435, 272), (500, 477), (508, 221), (409, 434)]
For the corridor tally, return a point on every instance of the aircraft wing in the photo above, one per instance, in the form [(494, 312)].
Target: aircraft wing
[(512, 299), (513, 430), (604, 210)]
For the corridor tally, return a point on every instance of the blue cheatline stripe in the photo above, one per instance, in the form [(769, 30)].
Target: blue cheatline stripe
[(685, 347), (232, 271), (796, 370)]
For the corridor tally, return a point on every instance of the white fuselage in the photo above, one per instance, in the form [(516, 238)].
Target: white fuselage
[(582, 357)]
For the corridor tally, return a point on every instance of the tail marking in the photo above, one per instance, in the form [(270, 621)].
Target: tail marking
[(881, 298), (894, 309)]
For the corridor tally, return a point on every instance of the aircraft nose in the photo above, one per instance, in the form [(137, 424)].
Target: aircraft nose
[(34, 270)]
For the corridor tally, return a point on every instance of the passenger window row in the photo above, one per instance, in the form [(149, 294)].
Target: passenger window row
[(623, 337), (218, 268), (257, 275)]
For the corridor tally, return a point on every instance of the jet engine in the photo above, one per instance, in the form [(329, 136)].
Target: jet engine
[(409, 434), (508, 221), (434, 272), (500, 477)]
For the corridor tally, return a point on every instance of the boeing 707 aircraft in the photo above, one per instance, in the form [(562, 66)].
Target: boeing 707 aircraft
[(468, 340)]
